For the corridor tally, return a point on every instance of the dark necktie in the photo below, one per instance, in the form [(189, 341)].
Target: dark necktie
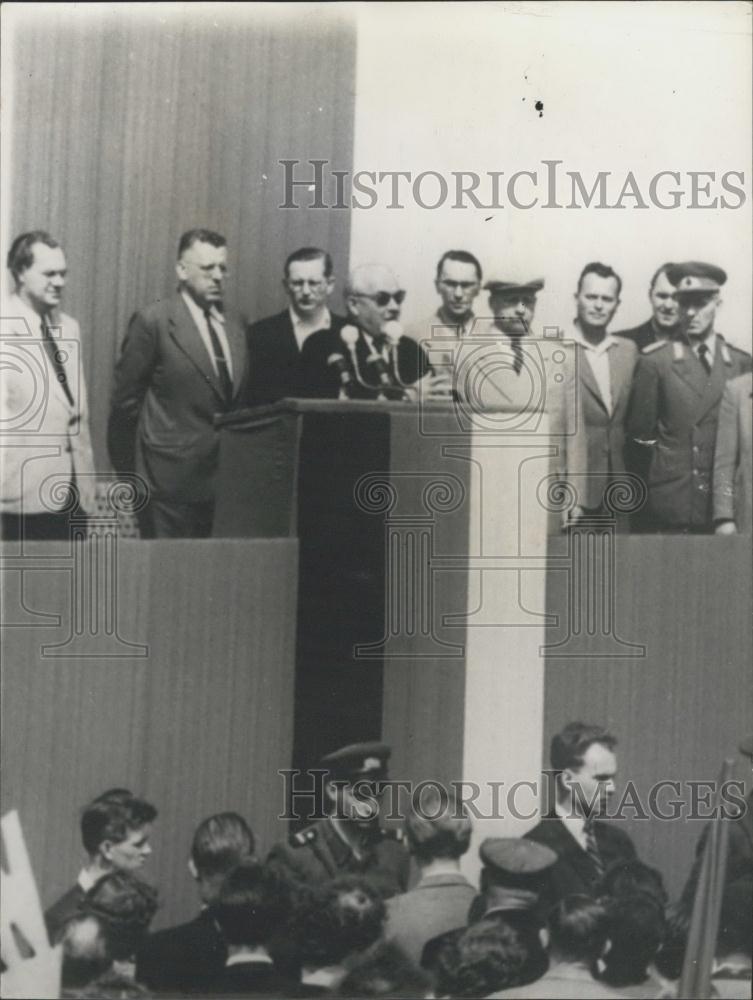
[(56, 360), (226, 383), (592, 849), (517, 351), (703, 356)]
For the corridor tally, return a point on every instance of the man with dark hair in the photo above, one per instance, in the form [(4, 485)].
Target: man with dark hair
[(636, 927), (458, 282), (181, 363), (386, 971), (438, 831), (249, 909), (125, 905), (115, 831), (487, 956), (187, 958), (675, 403), (46, 464), (370, 357), (349, 840), (605, 365), (275, 343), (584, 765), (663, 324), (332, 925)]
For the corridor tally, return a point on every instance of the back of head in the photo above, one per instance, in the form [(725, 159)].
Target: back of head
[(627, 877), (486, 957), (386, 972), (85, 951), (736, 919), (336, 919), (249, 906), (577, 929), (219, 844), (125, 906), (113, 985), (571, 743), (636, 928), (112, 816), (437, 825)]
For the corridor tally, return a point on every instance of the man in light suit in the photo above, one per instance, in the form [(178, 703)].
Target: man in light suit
[(182, 362), (605, 374), (275, 343), (46, 457), (733, 459)]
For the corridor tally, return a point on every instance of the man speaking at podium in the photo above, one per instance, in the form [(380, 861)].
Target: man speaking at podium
[(370, 358)]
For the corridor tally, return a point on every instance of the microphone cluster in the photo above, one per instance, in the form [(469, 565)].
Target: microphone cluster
[(381, 375)]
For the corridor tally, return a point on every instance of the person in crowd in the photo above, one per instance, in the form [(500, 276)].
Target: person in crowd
[(248, 908), (631, 875), (458, 282), (275, 343), (182, 362), (386, 972), (512, 881), (487, 956), (112, 985), (636, 927), (605, 366), (349, 840), (333, 925), (125, 905), (731, 974), (85, 952), (438, 832), (663, 322), (584, 766), (46, 464), (675, 403), (733, 459), (578, 939), (370, 357), (186, 958), (115, 832)]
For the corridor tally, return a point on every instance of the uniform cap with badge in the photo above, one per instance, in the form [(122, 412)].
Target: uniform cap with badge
[(358, 762), (694, 277)]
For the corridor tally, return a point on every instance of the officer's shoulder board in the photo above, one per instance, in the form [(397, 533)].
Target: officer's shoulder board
[(656, 346), (729, 350), (304, 837)]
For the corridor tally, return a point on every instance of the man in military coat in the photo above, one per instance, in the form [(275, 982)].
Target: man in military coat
[(349, 840), (675, 402)]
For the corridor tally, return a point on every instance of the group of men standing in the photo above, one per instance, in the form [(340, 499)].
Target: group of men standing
[(645, 401)]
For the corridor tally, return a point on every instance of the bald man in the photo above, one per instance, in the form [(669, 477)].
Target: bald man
[(369, 358)]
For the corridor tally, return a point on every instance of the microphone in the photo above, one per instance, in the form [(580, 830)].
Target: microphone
[(379, 366), (341, 366), (393, 331), (349, 337)]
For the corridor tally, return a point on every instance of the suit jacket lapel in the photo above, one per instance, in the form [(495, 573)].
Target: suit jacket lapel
[(588, 378), (620, 375), (690, 369), (237, 343), (186, 335)]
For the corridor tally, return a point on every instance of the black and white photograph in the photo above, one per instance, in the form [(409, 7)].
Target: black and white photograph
[(376, 463)]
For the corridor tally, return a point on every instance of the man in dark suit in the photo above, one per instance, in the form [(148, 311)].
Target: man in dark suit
[(584, 766), (275, 343), (370, 358), (663, 324), (675, 403), (182, 362), (605, 366), (187, 958), (115, 831), (349, 841)]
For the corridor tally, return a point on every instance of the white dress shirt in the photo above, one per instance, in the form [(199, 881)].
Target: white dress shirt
[(598, 359), (218, 325)]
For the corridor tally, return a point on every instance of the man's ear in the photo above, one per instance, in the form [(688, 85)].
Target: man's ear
[(544, 937), (105, 850), (192, 869), (180, 270)]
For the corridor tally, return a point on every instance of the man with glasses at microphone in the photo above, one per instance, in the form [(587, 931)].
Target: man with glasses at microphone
[(370, 358)]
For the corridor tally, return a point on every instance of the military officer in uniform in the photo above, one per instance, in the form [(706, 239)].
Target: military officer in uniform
[(349, 840), (675, 402)]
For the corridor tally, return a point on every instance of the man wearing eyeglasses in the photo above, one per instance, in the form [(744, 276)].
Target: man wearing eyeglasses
[(379, 360), (275, 343)]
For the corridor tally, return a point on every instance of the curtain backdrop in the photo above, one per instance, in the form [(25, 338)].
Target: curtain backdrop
[(132, 124)]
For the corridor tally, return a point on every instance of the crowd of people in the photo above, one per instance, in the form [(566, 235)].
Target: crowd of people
[(666, 404), (351, 908)]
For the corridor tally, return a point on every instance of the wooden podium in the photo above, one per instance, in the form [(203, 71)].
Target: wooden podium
[(416, 622)]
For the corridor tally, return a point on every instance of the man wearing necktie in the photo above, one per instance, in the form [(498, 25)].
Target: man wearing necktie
[(605, 366), (674, 408), (586, 843), (182, 362), (45, 450)]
